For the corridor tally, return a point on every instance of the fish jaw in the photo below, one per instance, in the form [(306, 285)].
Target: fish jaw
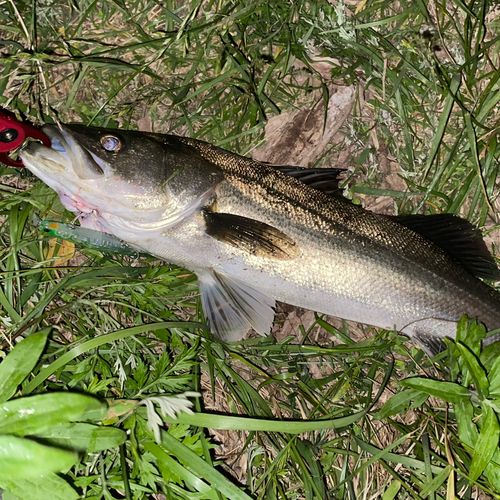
[(102, 196), (77, 178)]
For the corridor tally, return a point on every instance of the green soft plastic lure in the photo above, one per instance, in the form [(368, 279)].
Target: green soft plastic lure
[(89, 238)]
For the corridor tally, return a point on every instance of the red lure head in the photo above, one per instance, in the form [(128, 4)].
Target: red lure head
[(12, 135)]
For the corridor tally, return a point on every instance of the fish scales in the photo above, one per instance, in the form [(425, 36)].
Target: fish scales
[(254, 234), (278, 193)]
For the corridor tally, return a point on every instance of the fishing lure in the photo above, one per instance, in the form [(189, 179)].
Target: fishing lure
[(89, 238), (13, 134)]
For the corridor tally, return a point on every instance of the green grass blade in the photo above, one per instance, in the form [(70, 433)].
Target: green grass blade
[(251, 424), (202, 469)]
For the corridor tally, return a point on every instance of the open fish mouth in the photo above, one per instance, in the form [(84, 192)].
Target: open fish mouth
[(65, 155), (68, 168), (99, 193)]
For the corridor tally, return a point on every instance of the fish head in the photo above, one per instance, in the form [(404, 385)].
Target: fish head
[(117, 179)]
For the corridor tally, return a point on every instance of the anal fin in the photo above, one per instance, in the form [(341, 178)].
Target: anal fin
[(431, 344), (491, 339), (232, 307)]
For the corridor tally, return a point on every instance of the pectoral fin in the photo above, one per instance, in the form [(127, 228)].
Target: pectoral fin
[(232, 307), (252, 236)]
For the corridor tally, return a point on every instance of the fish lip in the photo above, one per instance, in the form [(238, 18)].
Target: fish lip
[(34, 154), (65, 156), (71, 178), (81, 161)]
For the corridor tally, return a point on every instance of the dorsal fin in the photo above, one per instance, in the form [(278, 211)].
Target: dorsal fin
[(323, 179), (458, 238)]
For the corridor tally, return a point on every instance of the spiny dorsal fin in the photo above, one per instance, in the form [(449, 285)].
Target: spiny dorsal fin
[(252, 236), (458, 238), (323, 179)]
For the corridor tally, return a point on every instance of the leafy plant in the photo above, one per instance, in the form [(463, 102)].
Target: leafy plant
[(473, 392), (38, 438)]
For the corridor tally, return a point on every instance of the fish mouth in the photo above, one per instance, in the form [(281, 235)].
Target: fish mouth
[(65, 156), (96, 192), (68, 168)]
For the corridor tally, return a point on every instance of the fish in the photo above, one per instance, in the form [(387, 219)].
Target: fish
[(256, 233)]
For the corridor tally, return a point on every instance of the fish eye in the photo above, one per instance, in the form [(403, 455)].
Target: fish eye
[(111, 143)]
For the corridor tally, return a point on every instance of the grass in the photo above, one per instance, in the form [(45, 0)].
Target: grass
[(126, 340)]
